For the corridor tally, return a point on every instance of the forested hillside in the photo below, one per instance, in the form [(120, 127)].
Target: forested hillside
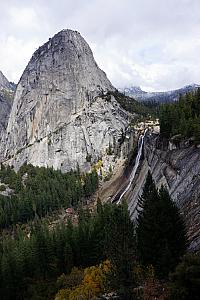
[(182, 117), (143, 109), (31, 262), (99, 253), (35, 192)]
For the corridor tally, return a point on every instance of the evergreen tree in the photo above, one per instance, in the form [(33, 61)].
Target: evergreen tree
[(120, 250), (185, 281), (161, 237), (40, 191), (182, 117)]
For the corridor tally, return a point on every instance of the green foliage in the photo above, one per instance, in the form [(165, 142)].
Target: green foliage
[(36, 254), (39, 290), (161, 237), (145, 109), (42, 253), (2, 188), (120, 249), (8, 95), (185, 281), (40, 191), (89, 158), (182, 117), (49, 141), (69, 281), (109, 150)]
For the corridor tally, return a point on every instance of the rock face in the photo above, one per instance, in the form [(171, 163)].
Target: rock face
[(4, 83), (5, 107), (179, 170), (6, 95), (60, 115)]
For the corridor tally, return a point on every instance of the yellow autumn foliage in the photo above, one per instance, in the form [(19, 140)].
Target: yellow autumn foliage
[(83, 292), (92, 284), (63, 294), (99, 164)]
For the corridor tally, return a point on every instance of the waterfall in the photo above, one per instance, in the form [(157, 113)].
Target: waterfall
[(137, 161)]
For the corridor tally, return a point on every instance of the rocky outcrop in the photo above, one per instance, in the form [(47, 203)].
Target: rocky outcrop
[(6, 97), (179, 170), (5, 107), (4, 83), (60, 115)]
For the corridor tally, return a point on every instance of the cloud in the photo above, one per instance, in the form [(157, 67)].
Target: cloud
[(14, 56), (136, 42), (25, 17)]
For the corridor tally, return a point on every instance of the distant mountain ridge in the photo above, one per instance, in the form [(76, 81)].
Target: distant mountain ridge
[(137, 93)]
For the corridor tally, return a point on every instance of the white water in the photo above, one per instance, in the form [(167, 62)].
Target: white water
[(137, 161)]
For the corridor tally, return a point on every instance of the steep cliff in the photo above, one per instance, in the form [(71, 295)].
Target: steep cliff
[(179, 170), (4, 83), (6, 97), (60, 115), (5, 107)]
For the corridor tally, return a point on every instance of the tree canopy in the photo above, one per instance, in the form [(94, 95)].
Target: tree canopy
[(38, 191), (161, 234), (182, 117)]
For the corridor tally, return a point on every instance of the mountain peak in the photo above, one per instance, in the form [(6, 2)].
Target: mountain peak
[(192, 85), (134, 89), (68, 31), (66, 39), (60, 115)]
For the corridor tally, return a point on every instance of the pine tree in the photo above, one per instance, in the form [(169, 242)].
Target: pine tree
[(161, 238), (185, 281), (181, 117), (97, 236), (120, 250), (147, 226)]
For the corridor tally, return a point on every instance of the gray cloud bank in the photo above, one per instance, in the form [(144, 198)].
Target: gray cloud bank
[(151, 43)]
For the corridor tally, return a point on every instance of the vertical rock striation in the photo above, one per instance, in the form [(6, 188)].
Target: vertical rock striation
[(60, 115), (179, 170), (6, 97), (4, 83)]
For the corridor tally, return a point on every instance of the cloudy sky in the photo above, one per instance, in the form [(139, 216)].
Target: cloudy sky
[(151, 43)]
